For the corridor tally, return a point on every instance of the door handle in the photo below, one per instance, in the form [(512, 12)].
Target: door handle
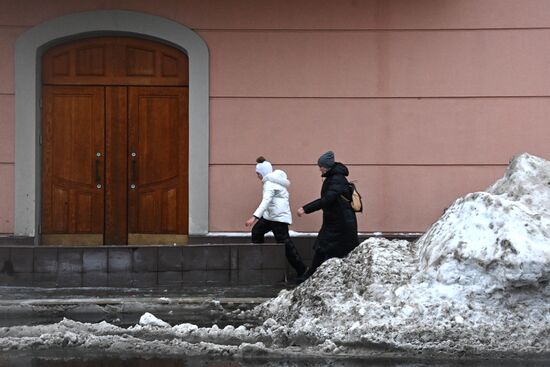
[(97, 175), (134, 170)]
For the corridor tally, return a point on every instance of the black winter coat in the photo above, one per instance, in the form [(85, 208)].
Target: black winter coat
[(338, 234)]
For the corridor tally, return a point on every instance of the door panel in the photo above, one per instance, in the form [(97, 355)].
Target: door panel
[(115, 61), (158, 160), (73, 135), (116, 167)]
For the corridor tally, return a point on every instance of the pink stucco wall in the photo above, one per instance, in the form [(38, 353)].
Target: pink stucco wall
[(379, 64), (425, 100)]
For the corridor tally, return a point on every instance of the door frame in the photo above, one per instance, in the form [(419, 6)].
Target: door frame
[(29, 48)]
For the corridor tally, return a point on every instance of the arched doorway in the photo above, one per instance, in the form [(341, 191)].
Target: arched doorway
[(30, 46), (115, 142)]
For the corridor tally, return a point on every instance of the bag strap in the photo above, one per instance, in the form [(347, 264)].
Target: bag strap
[(351, 186)]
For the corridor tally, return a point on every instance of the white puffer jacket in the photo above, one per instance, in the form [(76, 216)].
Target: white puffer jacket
[(275, 204)]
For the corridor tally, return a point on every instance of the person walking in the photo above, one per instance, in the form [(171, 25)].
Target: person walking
[(338, 234), (273, 213)]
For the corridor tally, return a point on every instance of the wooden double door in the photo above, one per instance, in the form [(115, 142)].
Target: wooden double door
[(114, 161)]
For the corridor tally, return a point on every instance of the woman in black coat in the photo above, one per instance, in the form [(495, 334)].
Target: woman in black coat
[(338, 234)]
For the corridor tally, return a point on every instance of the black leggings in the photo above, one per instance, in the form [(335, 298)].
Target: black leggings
[(280, 231)]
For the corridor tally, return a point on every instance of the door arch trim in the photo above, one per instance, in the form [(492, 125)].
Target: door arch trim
[(29, 48)]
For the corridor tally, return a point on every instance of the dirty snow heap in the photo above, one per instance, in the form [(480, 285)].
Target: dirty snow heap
[(477, 281)]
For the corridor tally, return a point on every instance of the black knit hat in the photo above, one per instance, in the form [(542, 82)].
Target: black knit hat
[(326, 160)]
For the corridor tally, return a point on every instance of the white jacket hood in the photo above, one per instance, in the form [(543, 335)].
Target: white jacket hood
[(275, 205), (278, 177)]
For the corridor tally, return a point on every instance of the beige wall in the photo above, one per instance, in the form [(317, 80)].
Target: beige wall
[(425, 100)]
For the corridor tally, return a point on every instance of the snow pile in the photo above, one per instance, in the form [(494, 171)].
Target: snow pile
[(148, 319), (477, 281), (505, 231), (344, 297), (154, 336)]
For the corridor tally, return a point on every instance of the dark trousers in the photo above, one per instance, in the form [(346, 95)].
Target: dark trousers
[(280, 231)]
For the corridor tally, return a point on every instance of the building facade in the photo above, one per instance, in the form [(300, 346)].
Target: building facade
[(423, 100)]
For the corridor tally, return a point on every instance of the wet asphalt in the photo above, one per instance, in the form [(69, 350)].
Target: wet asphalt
[(199, 305)]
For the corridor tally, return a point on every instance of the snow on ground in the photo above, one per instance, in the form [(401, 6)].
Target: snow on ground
[(477, 282), (150, 319)]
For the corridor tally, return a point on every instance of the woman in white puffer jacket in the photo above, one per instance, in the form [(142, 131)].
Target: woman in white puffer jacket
[(273, 213)]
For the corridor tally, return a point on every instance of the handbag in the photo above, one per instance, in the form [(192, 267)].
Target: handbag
[(356, 200)]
